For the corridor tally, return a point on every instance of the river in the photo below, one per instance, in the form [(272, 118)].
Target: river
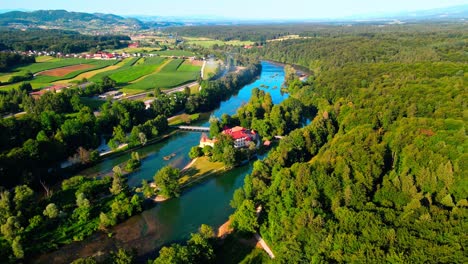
[(173, 220)]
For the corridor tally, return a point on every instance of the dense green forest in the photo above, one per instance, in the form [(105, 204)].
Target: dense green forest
[(380, 173), (57, 41)]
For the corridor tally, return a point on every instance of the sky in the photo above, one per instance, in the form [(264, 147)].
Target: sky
[(242, 9)]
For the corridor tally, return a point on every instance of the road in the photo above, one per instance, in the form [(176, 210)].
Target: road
[(168, 91), (264, 246)]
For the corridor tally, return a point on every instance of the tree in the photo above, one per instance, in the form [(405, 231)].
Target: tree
[(82, 213), (134, 162), (11, 228), (166, 181), (5, 208), (215, 128), (117, 184), (122, 257), (25, 87), (17, 248), (229, 156), (147, 190), (23, 197), (51, 211), (238, 198), (106, 220), (195, 152), (173, 254), (245, 218)]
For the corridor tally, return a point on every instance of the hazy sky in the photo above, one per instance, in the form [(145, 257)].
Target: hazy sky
[(234, 8)]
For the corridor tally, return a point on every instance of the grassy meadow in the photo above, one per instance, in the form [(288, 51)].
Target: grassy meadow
[(207, 42), (132, 75)]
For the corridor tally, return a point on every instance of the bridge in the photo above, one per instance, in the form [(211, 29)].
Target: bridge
[(195, 128)]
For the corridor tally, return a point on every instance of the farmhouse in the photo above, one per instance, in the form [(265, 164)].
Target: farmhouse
[(134, 45), (54, 88), (242, 136)]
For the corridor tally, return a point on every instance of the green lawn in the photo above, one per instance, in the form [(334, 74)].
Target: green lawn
[(185, 53), (92, 103), (127, 75), (97, 64), (44, 58), (172, 66), (201, 168), (207, 43), (15, 85), (129, 62), (163, 80), (52, 64), (187, 66), (183, 119)]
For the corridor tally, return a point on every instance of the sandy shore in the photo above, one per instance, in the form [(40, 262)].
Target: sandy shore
[(225, 229)]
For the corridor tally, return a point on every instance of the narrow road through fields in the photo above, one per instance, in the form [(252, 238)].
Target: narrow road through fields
[(168, 91)]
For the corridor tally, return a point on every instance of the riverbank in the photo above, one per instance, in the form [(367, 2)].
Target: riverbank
[(206, 202)]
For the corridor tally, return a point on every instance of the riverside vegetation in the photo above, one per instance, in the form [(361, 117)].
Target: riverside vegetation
[(379, 173), (57, 127), (376, 176)]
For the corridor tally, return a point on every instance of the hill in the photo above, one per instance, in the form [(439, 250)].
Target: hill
[(62, 19)]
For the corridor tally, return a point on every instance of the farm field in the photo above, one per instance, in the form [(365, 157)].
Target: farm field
[(174, 73), (44, 58), (54, 70), (185, 53), (66, 74), (51, 64), (207, 42), (127, 64), (60, 72), (133, 75), (147, 66), (90, 74)]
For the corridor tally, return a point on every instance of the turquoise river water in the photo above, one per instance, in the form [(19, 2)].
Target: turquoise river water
[(173, 220)]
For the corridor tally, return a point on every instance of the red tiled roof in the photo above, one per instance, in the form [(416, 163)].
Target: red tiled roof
[(55, 88), (238, 133)]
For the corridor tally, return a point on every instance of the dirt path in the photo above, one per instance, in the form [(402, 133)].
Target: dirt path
[(154, 72)]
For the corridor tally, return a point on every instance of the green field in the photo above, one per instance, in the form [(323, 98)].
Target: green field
[(148, 66), (44, 58), (173, 74), (187, 66), (206, 42), (51, 64), (178, 53), (97, 64), (129, 62), (172, 66), (162, 80)]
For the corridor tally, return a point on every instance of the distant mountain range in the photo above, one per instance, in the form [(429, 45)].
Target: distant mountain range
[(447, 13), (109, 23)]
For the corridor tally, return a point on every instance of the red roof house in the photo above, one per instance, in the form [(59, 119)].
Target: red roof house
[(242, 136), (55, 88)]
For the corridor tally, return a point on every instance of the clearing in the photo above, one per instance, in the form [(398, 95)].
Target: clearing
[(201, 168)]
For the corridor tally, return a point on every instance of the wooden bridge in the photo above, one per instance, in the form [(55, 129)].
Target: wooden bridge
[(195, 128)]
